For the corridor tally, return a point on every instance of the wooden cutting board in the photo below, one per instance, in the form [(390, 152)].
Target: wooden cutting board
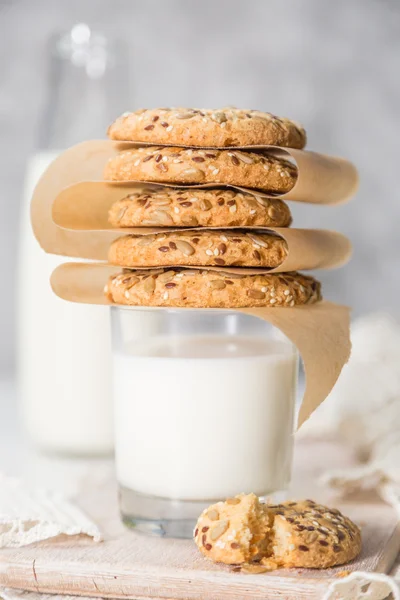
[(130, 565)]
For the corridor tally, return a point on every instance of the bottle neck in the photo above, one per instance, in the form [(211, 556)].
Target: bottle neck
[(84, 68)]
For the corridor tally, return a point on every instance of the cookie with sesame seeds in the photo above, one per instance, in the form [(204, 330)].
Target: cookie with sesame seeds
[(170, 207), (205, 288), (207, 127), (262, 537), (234, 532), (306, 534), (195, 166), (199, 248)]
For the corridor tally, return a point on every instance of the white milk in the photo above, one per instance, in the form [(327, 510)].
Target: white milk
[(205, 417), (64, 352)]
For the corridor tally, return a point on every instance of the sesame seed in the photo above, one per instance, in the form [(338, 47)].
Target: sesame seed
[(126, 294), (233, 208), (216, 252), (216, 171), (165, 158), (166, 296), (292, 303), (264, 289), (223, 125), (266, 167), (209, 252), (286, 292), (169, 128), (272, 301), (253, 211), (176, 210), (223, 238)]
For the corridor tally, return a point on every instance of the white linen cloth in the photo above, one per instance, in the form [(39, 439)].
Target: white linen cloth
[(364, 410), (32, 515)]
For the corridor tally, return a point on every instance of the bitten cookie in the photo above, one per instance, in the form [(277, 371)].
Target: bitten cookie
[(205, 127), (211, 289), (306, 534), (194, 166), (168, 207), (293, 534), (235, 531), (199, 248)]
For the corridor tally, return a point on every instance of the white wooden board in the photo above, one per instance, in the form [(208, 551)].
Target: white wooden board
[(130, 565)]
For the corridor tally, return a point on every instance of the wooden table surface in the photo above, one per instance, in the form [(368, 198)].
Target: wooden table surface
[(128, 564)]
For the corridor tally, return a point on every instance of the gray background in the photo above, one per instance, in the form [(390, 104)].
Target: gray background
[(334, 66)]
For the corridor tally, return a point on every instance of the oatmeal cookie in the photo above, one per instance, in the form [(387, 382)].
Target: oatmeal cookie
[(199, 248), (292, 534), (171, 207), (193, 166), (202, 288), (306, 534), (234, 532), (205, 127)]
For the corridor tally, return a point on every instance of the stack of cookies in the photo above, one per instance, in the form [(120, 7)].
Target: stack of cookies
[(206, 189)]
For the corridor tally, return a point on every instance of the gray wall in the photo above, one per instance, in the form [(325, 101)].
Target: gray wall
[(334, 66)]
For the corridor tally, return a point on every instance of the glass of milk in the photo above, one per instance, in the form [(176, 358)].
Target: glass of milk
[(204, 409)]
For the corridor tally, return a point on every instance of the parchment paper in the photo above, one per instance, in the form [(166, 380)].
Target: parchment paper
[(319, 331), (85, 162), (84, 207), (321, 179)]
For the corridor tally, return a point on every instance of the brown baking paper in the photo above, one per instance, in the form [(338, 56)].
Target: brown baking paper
[(321, 179), (85, 162), (307, 248), (87, 210), (319, 331)]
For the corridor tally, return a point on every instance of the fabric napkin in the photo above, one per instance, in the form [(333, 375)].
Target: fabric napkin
[(364, 410), (29, 515)]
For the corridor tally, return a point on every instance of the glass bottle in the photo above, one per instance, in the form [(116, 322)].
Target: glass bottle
[(64, 349)]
